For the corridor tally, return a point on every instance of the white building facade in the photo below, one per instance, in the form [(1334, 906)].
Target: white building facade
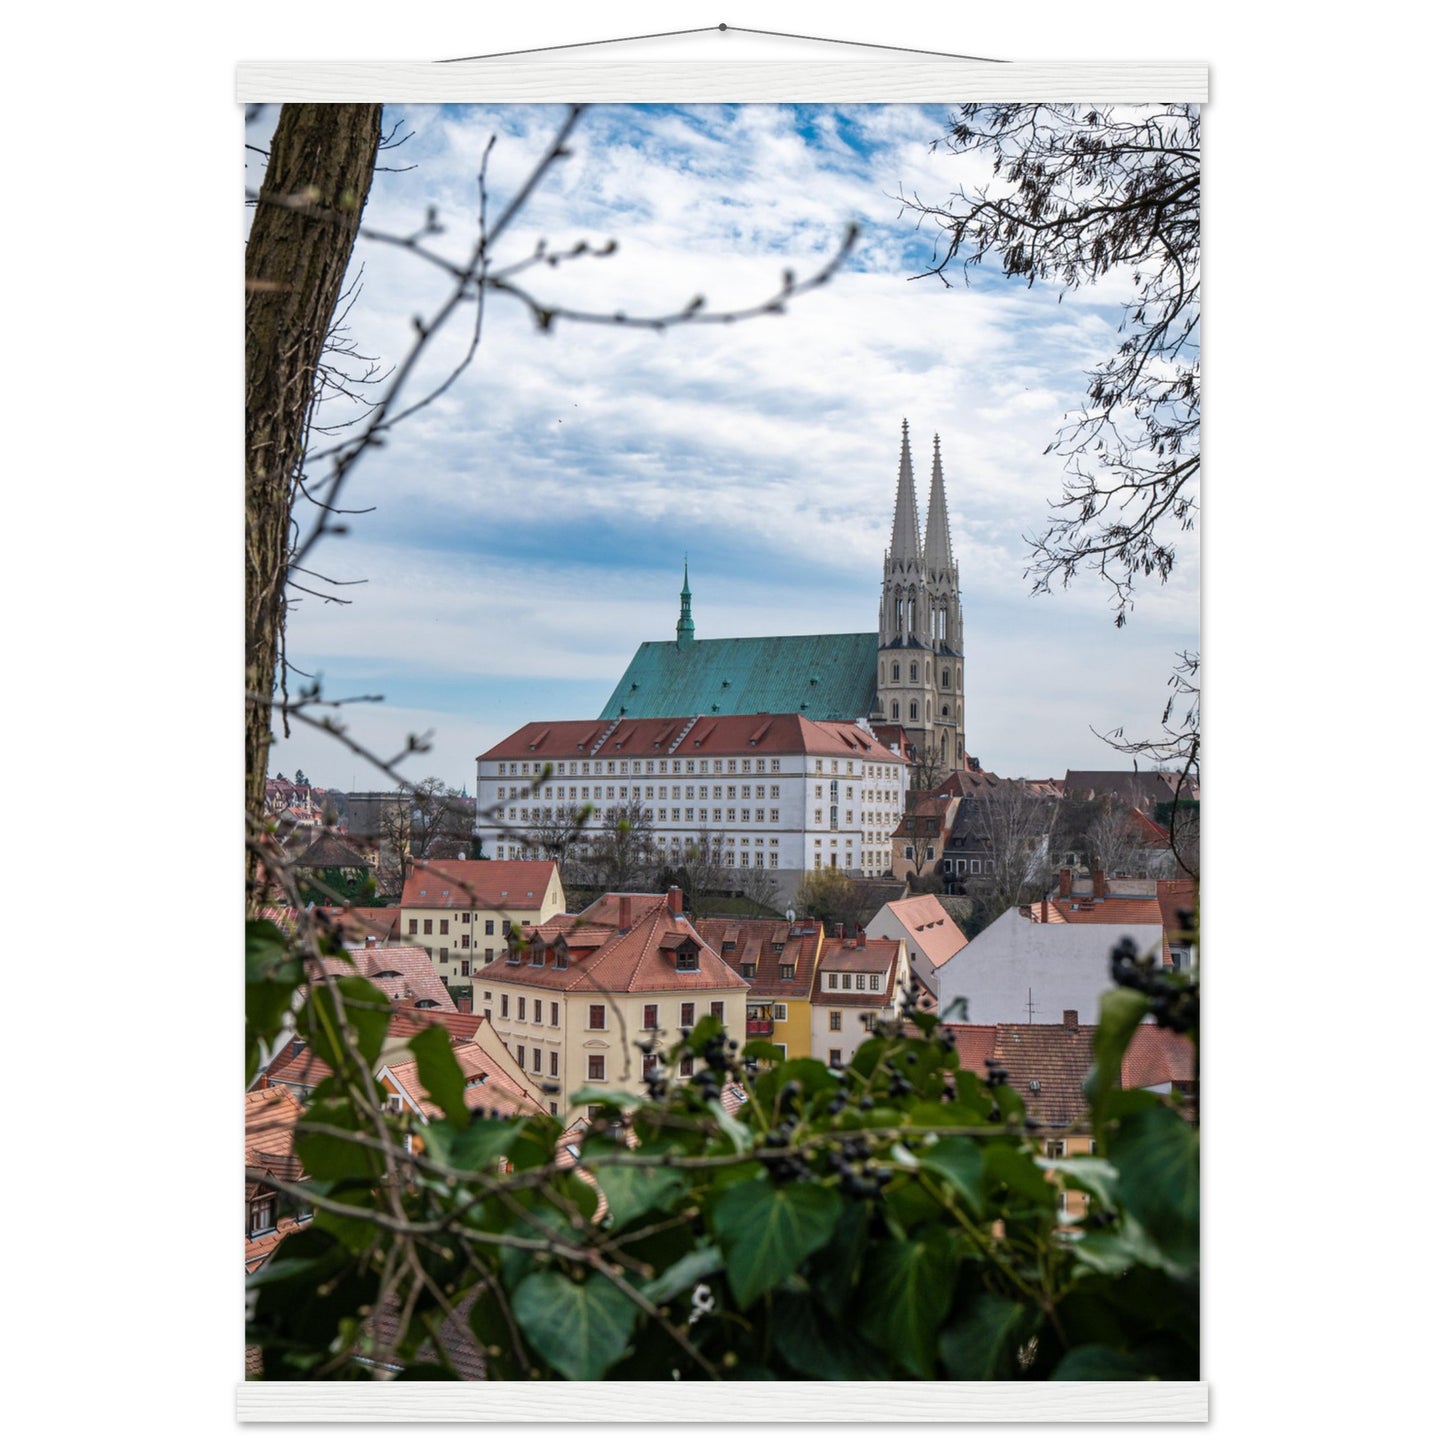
[(776, 791)]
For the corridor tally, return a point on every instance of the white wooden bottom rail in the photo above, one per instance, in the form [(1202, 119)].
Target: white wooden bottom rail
[(1133, 1402)]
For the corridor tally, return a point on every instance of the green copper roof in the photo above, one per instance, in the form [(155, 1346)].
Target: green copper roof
[(822, 677)]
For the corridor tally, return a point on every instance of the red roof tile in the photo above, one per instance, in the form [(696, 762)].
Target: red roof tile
[(478, 883), (774, 733), (401, 972), (638, 961), (757, 957), (928, 926)]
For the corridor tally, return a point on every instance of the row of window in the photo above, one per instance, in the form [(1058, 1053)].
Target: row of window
[(638, 767), (444, 927), (598, 1013), (945, 676)]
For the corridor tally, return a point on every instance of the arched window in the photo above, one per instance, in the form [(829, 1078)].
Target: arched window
[(895, 672), (912, 614), (895, 712), (945, 710), (913, 712), (913, 672), (898, 615), (947, 676)]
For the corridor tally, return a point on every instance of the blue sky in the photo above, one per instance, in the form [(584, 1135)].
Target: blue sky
[(528, 530)]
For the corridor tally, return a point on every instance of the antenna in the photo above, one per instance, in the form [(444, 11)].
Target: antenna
[(1031, 1005)]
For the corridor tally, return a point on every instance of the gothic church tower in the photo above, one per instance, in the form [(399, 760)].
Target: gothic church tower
[(920, 628)]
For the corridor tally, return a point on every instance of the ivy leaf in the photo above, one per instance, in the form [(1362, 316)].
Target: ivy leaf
[(766, 1233), (1097, 1177), (632, 1191), (581, 1330), (273, 974), (1157, 1156), (482, 1144), (363, 1009), (960, 1162), (440, 1074), (1005, 1166), (907, 1285), (736, 1134), (1096, 1362), (982, 1342), (1121, 1011), (816, 1347)]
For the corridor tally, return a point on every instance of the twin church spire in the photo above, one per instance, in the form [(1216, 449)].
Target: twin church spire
[(920, 628)]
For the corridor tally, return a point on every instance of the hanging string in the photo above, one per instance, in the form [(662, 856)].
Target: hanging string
[(720, 29)]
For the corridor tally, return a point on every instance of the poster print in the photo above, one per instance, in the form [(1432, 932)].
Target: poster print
[(707, 924)]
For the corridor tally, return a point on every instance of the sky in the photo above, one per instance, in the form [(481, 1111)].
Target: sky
[(516, 540)]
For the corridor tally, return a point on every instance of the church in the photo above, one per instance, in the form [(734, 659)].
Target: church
[(905, 680)]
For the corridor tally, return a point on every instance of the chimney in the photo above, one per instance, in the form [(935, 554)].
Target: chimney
[(1071, 1020), (464, 1003), (674, 901), (624, 912), (371, 940), (841, 927), (1100, 886), (1066, 882)]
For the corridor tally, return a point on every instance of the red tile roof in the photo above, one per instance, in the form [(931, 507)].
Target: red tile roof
[(928, 926), (755, 947), (401, 972), (478, 883), (1141, 911), (851, 955), (359, 924), (271, 1115), (783, 733), (1058, 1058), (487, 1086), (638, 961)]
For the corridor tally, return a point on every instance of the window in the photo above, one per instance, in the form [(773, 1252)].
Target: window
[(506, 1005), (446, 925), (913, 712), (835, 1058), (552, 1064), (555, 1010), (489, 955), (261, 1216), (873, 982), (445, 955), (521, 1009), (466, 968), (689, 1012), (847, 983), (536, 1010), (1054, 1149), (787, 970), (649, 1065), (685, 1068), (522, 1055), (686, 957), (835, 1022), (411, 925), (649, 1016), (895, 672), (536, 1061), (466, 918), (780, 1012), (426, 925), (596, 1066), (491, 927), (597, 1016), (716, 1008), (466, 940), (833, 980)]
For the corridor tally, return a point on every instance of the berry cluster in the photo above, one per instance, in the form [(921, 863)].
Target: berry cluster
[(1173, 1000)]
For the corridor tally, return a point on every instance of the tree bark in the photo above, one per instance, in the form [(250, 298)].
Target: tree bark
[(307, 215)]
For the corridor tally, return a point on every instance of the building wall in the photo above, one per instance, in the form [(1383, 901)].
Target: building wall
[(573, 1039), (473, 937), (784, 813)]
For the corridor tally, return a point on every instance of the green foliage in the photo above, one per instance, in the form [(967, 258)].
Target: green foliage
[(893, 1220)]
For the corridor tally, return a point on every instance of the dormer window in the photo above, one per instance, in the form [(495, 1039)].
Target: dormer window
[(686, 957), (261, 1216)]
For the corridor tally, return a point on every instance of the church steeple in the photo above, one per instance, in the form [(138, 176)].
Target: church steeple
[(684, 618), (938, 545), (905, 509)]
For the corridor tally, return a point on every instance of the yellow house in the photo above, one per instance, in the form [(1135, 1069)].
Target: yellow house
[(462, 911), (777, 960), (599, 998)]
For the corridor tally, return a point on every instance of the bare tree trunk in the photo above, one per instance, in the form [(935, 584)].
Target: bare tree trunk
[(307, 215)]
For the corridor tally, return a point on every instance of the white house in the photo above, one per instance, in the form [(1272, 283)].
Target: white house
[(1024, 970)]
